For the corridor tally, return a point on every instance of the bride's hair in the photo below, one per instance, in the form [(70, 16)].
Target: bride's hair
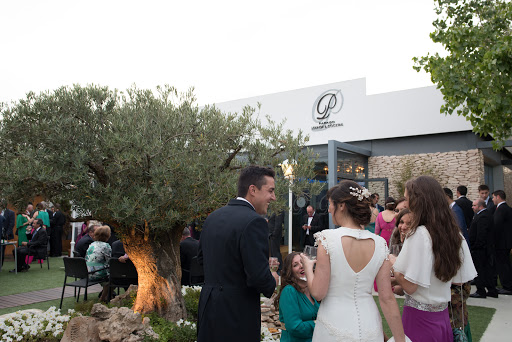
[(357, 207), (430, 208), (287, 277)]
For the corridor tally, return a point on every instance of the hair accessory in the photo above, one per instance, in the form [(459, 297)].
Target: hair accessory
[(360, 193)]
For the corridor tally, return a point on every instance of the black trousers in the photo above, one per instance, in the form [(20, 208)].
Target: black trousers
[(485, 271), (504, 268), (56, 241), (21, 253)]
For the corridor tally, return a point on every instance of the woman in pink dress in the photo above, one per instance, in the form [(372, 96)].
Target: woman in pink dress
[(385, 222)]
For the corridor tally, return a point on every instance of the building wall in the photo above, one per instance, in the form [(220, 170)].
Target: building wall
[(451, 169)]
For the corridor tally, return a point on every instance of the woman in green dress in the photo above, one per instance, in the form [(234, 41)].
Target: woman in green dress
[(42, 214), (22, 222), (297, 309)]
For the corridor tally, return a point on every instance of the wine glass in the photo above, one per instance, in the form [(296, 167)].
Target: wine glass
[(394, 249), (274, 264), (310, 252)]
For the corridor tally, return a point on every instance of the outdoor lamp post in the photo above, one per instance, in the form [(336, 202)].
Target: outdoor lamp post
[(288, 174)]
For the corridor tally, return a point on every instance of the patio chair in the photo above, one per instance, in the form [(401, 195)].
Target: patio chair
[(121, 275), (196, 273), (77, 268)]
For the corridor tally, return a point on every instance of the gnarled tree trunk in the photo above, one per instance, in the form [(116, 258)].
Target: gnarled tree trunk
[(157, 259)]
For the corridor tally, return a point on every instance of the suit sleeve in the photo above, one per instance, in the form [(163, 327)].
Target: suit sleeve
[(291, 314), (254, 252), (316, 226), (42, 240)]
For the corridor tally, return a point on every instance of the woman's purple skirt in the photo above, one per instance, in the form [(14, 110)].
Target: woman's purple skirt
[(424, 326)]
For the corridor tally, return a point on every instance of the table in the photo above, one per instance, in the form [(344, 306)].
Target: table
[(7, 243)]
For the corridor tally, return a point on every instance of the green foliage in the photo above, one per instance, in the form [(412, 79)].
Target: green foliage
[(475, 76), (136, 157), (181, 331), (192, 304), (412, 168)]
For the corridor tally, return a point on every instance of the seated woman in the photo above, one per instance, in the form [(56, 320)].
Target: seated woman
[(97, 257), (297, 309)]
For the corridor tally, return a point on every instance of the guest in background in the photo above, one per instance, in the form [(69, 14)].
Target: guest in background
[(385, 223), (484, 193), (401, 204), (188, 250), (375, 212), (503, 240), (375, 200), (7, 226), (465, 204), (275, 230), (59, 220), (312, 224), (403, 226), (97, 257), (82, 246), (36, 247), (43, 215), (481, 236), (23, 226), (458, 213), (84, 231), (297, 308)]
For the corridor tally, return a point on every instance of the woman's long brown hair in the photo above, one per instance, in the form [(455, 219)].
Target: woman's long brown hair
[(287, 277), (430, 208)]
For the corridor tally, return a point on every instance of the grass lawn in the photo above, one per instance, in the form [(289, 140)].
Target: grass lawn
[(479, 319)]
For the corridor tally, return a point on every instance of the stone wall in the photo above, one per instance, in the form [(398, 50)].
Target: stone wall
[(507, 181), (451, 169)]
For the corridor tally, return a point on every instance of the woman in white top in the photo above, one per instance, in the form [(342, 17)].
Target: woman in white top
[(349, 259), (433, 256)]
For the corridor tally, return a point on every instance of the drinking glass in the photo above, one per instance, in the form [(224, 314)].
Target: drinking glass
[(394, 249), (274, 264), (310, 252)]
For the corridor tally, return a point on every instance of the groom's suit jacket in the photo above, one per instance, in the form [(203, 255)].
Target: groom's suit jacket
[(234, 252)]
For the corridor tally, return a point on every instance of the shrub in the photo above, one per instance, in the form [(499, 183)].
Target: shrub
[(191, 296)]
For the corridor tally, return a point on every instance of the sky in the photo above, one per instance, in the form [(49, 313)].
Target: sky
[(225, 49)]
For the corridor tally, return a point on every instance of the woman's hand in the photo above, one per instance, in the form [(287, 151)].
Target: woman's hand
[(392, 258)]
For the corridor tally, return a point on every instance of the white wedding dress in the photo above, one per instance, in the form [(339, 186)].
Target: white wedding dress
[(348, 312)]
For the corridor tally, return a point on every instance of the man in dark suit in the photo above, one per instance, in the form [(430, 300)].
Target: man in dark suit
[(481, 236), (312, 224), (275, 230), (188, 250), (484, 193), (465, 204), (36, 246), (8, 225), (83, 244), (57, 224), (503, 240), (457, 212), (234, 252)]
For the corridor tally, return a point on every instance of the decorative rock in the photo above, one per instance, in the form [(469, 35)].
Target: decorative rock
[(118, 300), (82, 329)]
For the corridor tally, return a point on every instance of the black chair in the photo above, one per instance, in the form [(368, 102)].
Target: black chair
[(122, 274), (196, 273), (76, 254), (40, 258), (77, 268)]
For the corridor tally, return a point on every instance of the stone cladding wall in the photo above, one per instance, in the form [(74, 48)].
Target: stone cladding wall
[(451, 169)]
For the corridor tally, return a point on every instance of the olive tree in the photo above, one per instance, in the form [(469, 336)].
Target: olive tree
[(144, 162)]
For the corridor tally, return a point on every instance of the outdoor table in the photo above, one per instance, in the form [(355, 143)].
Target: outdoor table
[(7, 243)]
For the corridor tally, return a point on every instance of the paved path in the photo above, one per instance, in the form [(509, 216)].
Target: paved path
[(499, 328), (42, 296)]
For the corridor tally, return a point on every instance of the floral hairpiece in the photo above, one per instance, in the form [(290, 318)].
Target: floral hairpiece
[(360, 193)]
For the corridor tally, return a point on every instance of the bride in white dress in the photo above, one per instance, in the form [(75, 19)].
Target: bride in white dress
[(349, 259)]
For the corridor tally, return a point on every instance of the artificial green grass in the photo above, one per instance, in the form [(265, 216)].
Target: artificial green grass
[(479, 319), (36, 278)]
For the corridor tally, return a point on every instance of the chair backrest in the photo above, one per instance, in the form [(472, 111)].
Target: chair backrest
[(76, 254), (119, 270), (196, 272), (75, 267)]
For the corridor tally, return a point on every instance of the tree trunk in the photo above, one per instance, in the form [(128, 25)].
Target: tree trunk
[(158, 264)]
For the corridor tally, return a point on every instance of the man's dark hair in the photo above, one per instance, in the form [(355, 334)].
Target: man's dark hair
[(500, 193), (448, 193), (57, 206), (375, 195), (483, 187), (186, 232), (40, 222), (253, 175), (463, 191)]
